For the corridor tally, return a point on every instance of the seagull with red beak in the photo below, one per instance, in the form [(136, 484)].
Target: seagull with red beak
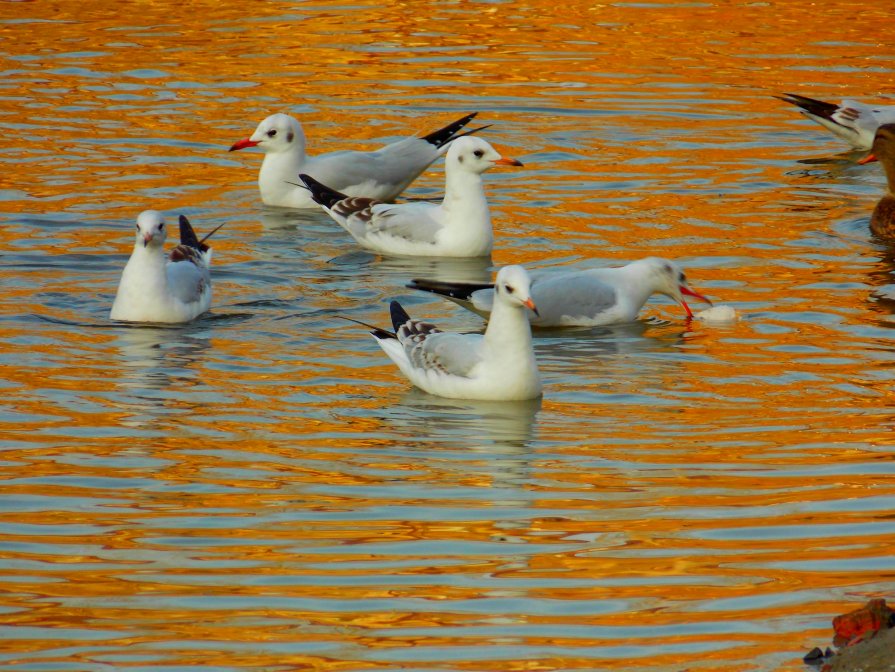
[(381, 174), (583, 298)]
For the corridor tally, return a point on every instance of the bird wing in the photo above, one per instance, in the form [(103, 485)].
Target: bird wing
[(188, 278), (379, 174), (452, 354), (431, 350), (384, 173), (863, 118), (575, 294), (414, 222), (418, 222)]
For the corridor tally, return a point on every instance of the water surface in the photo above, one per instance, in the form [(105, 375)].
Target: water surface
[(260, 489)]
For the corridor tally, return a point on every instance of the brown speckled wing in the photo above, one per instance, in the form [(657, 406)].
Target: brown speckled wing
[(187, 253), (355, 206)]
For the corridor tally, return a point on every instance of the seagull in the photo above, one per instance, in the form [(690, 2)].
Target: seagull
[(854, 122), (588, 298), (459, 226), (497, 366), (381, 174), (882, 221), (154, 288)]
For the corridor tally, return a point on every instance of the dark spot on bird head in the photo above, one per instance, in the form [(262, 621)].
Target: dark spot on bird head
[(290, 136)]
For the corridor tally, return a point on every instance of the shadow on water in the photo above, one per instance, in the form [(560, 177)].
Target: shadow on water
[(493, 437), (837, 163), (284, 218), (488, 425), (404, 269)]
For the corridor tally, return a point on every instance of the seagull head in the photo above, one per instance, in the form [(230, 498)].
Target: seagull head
[(278, 133), (475, 155), (667, 278), (513, 286), (151, 229)]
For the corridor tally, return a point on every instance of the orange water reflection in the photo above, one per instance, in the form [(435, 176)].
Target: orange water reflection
[(264, 491)]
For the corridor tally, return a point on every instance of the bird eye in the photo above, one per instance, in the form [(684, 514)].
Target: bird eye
[(161, 226), (508, 288), (682, 279), (271, 133), (479, 153)]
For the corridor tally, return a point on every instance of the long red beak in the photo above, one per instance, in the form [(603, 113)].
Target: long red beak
[(870, 158), (242, 144), (507, 161), (528, 303), (696, 295)]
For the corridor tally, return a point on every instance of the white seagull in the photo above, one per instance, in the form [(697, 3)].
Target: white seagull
[(854, 122), (459, 226), (497, 366), (381, 174), (156, 288), (588, 298)]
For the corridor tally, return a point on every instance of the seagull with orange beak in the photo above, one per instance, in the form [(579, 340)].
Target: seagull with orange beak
[(498, 365), (459, 226), (156, 287)]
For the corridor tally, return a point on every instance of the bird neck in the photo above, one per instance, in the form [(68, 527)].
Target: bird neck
[(148, 262), (279, 169), (508, 333), (464, 193), (640, 287)]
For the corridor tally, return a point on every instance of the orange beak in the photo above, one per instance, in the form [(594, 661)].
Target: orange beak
[(507, 161), (242, 144), (870, 158), (528, 303)]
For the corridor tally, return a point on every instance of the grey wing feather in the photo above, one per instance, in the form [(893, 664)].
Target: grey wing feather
[(572, 295), (454, 354), (429, 348), (396, 165), (188, 281), (411, 221)]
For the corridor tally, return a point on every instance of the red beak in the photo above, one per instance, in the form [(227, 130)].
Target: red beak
[(696, 295), (870, 158), (507, 161), (242, 144)]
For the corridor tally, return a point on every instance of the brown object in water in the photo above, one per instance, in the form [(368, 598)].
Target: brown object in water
[(882, 222)]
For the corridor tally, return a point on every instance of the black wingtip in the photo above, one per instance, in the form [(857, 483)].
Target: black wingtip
[(453, 290), (816, 107), (376, 331), (444, 135), (188, 237), (399, 315), (382, 334), (321, 193)]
